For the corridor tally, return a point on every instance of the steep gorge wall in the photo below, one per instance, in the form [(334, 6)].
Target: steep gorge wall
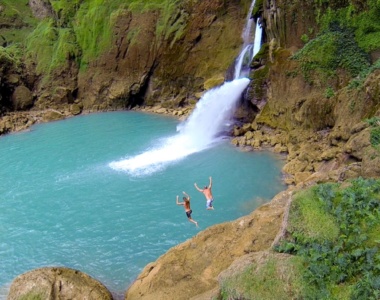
[(168, 67), (157, 56)]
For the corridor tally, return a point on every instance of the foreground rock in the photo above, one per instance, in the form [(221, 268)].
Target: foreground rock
[(190, 270), (57, 283)]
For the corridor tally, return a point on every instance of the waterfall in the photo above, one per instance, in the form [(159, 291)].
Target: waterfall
[(248, 53), (249, 49), (199, 132), (203, 127), (257, 40), (247, 34)]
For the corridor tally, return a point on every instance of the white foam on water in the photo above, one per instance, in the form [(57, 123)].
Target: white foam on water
[(199, 132)]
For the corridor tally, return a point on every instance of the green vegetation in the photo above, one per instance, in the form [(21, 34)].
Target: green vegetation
[(359, 80), (305, 212), (349, 31), (9, 59), (258, 8), (50, 47), (335, 230), (33, 296), (65, 11), (361, 17), (83, 30), (17, 21), (329, 93), (329, 51), (375, 132), (332, 247), (259, 75), (93, 28), (274, 278), (9, 56), (305, 38), (258, 81)]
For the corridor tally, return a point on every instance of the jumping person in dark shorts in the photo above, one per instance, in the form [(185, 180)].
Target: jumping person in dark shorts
[(186, 205)]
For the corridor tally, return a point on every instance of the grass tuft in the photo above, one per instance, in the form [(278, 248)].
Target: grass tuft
[(274, 278)]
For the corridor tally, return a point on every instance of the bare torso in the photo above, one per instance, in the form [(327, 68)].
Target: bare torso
[(187, 205), (207, 193)]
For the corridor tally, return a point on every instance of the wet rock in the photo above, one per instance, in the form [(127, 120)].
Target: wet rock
[(75, 109)]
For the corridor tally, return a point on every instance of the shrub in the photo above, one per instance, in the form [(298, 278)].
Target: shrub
[(375, 131), (10, 56), (329, 93), (273, 278), (358, 81), (353, 258), (362, 18), (331, 50), (51, 47), (305, 38)]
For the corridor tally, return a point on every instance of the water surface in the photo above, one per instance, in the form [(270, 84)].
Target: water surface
[(62, 204)]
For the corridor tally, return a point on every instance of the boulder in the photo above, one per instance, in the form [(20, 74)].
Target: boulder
[(358, 143), (22, 98), (51, 283), (40, 8), (75, 109)]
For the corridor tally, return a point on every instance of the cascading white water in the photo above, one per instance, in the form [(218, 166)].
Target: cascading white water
[(249, 49), (247, 54), (257, 40), (247, 34), (199, 132)]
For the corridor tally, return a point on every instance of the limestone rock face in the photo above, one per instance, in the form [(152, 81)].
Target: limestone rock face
[(202, 41), (52, 283)]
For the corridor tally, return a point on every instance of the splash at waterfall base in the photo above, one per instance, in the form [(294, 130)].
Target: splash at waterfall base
[(200, 131)]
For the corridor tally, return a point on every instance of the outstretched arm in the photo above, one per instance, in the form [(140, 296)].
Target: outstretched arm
[(209, 186), (197, 187), (186, 195), (177, 202)]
